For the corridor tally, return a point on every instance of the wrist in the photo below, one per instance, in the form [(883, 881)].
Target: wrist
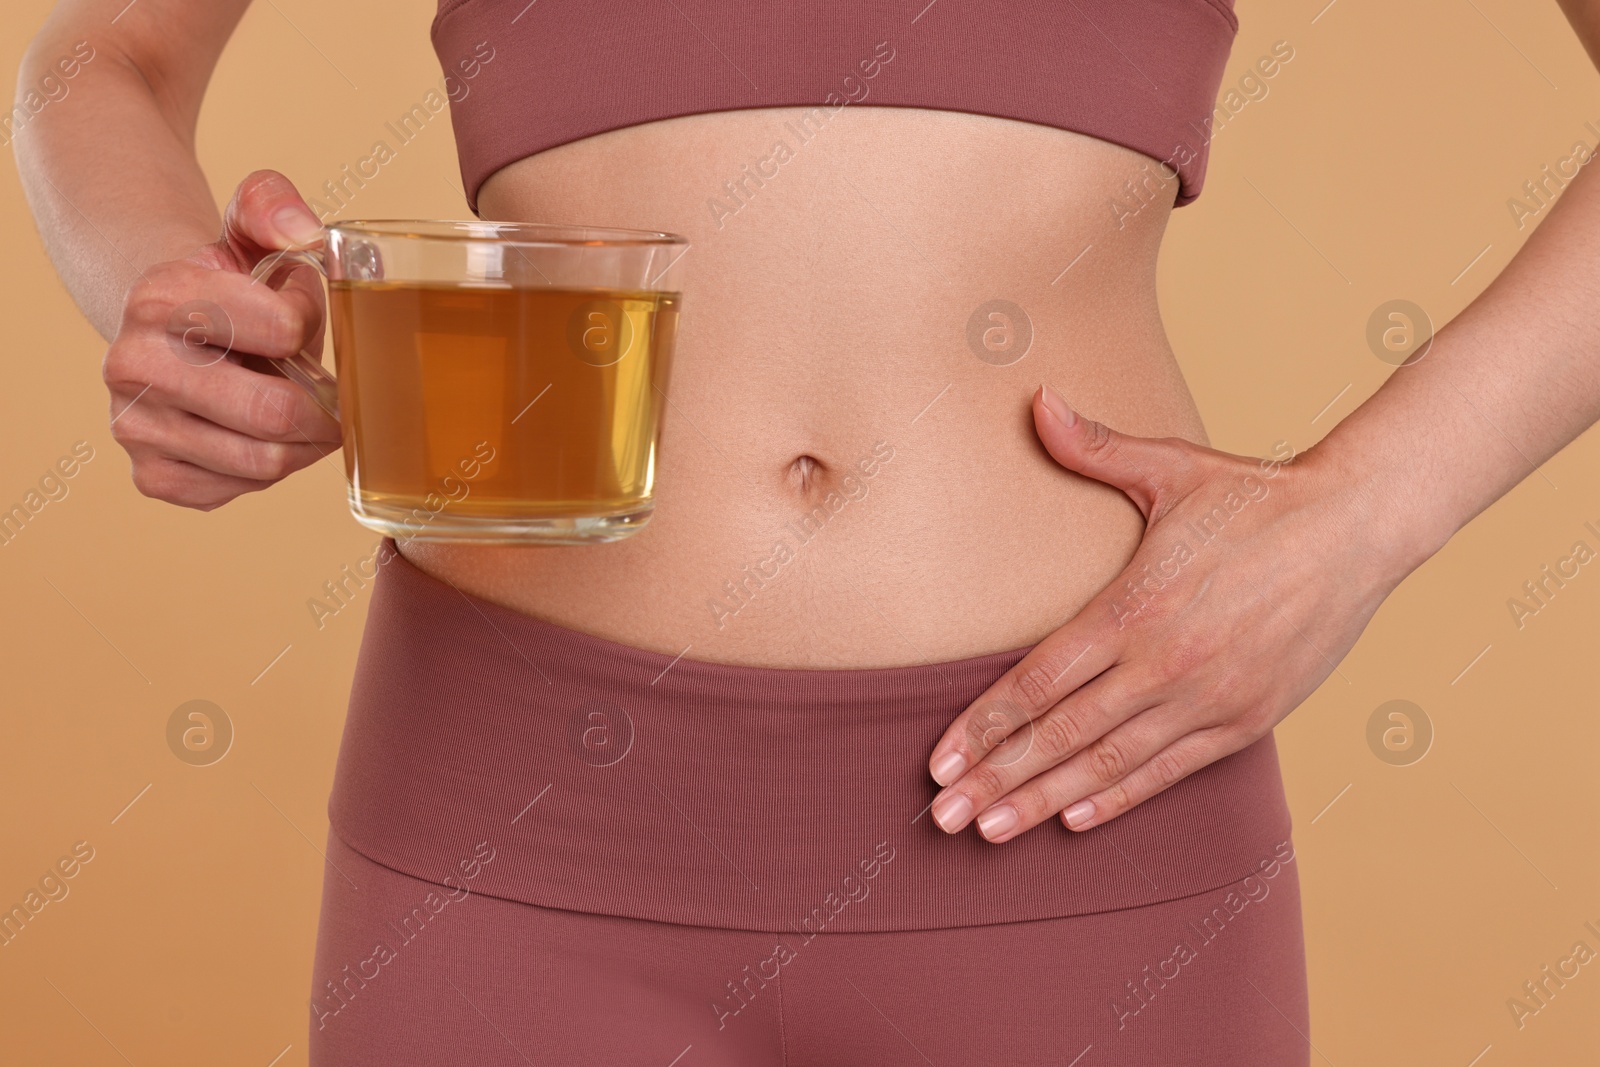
[(1384, 522)]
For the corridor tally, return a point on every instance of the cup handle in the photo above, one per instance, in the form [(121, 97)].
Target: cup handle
[(301, 368)]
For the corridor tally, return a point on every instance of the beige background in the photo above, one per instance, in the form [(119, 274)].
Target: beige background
[(1378, 167)]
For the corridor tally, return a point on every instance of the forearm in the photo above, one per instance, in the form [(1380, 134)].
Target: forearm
[(109, 170), (1508, 383)]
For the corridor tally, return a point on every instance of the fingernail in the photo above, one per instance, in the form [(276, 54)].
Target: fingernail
[(952, 812), (296, 223), (998, 822), (1057, 406), (948, 767), (1079, 814)]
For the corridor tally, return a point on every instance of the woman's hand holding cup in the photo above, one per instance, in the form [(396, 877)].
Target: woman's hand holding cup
[(201, 427)]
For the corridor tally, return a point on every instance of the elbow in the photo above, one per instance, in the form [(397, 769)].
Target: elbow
[(57, 51), (45, 78)]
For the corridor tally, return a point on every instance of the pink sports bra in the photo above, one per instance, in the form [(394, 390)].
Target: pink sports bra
[(1140, 73)]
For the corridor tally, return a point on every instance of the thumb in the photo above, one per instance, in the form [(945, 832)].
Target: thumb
[(1142, 467), (267, 215)]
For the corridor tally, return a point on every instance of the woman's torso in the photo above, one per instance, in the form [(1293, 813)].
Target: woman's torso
[(828, 320)]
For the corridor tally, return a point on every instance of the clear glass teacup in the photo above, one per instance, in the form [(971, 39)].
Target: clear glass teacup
[(497, 382)]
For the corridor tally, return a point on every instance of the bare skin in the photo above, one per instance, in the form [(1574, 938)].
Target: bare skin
[(826, 316), (812, 331)]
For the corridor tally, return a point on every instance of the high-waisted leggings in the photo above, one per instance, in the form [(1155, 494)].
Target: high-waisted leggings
[(548, 848)]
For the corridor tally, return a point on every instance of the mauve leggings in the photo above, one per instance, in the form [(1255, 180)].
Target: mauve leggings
[(493, 983), (548, 848)]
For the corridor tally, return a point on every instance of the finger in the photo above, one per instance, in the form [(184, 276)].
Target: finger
[(301, 288), (198, 307), (1142, 467), (160, 430), (177, 482), (1085, 716), (259, 405), (1107, 760), (193, 327), (266, 215), (1053, 668), (1172, 764)]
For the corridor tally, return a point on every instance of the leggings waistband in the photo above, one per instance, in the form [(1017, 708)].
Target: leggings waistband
[(613, 780)]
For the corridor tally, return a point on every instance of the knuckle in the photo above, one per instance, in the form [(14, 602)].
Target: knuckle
[(119, 429), (269, 413), (1033, 687), (1246, 726), (1099, 439), (1166, 768), (1183, 653), (1242, 726), (269, 323), (989, 728), (1013, 749), (985, 780), (148, 301), (164, 480), (118, 362), (286, 328), (273, 461), (131, 426), (1032, 803), (1112, 801), (1091, 708), (258, 190), (1057, 736), (974, 730), (154, 479), (1160, 607), (1107, 762)]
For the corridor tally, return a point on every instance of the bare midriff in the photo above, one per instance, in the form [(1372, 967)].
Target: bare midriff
[(844, 478)]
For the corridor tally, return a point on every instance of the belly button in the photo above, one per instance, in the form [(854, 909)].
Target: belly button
[(805, 472)]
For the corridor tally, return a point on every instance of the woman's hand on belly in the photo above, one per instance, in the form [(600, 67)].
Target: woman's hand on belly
[(1252, 581)]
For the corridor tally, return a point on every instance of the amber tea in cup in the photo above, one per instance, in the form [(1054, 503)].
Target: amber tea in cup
[(498, 382)]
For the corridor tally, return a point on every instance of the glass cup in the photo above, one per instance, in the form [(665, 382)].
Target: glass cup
[(497, 382)]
